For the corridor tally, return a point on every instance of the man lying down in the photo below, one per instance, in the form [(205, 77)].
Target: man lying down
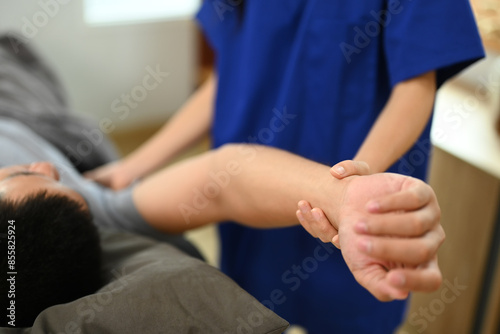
[(50, 210)]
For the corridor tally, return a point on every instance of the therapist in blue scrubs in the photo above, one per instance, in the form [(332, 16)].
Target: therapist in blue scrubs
[(328, 80)]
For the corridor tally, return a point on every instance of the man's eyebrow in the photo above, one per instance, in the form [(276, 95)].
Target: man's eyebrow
[(25, 173)]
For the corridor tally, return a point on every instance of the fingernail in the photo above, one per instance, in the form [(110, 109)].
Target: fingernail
[(361, 227), (398, 280), (339, 170), (315, 214), (373, 206), (302, 207), (365, 245)]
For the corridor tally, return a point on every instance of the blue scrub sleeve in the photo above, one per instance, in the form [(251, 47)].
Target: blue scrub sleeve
[(217, 20), (426, 35), (207, 20)]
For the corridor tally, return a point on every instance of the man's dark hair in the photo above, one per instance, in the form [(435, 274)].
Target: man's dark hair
[(57, 255)]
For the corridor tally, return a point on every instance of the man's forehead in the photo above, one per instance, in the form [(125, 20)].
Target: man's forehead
[(9, 169), (5, 168), (17, 185), (21, 173)]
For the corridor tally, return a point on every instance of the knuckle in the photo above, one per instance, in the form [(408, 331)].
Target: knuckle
[(307, 219), (324, 229), (433, 281), (437, 280), (418, 226), (416, 197), (442, 235), (424, 253), (324, 239), (383, 297), (363, 167), (438, 213)]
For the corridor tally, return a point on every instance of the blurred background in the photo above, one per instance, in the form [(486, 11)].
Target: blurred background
[(130, 64), (102, 50)]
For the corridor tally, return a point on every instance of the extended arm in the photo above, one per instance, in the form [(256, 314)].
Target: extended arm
[(254, 185), (260, 186)]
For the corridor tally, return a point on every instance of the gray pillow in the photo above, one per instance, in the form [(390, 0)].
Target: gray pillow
[(155, 288)]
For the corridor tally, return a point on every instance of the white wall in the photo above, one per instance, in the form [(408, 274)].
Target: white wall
[(99, 65)]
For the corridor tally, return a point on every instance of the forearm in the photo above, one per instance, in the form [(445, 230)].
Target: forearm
[(400, 124), (190, 124), (271, 182), (254, 185)]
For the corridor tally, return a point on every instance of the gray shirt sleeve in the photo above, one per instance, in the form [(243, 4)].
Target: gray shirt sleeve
[(124, 215)]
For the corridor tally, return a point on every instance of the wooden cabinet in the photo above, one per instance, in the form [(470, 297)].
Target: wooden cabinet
[(487, 14)]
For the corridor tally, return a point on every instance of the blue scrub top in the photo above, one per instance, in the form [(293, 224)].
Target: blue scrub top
[(311, 77)]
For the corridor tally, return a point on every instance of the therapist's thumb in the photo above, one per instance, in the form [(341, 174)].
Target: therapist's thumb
[(349, 168)]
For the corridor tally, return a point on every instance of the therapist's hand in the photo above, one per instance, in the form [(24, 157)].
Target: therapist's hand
[(111, 175), (315, 222)]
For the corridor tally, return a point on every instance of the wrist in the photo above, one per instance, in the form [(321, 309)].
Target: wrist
[(333, 200)]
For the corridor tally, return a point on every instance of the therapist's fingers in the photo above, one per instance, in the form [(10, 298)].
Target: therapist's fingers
[(410, 251), (111, 175), (404, 224), (374, 278), (315, 222), (305, 217), (304, 223), (397, 283), (348, 168), (424, 278), (415, 195)]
